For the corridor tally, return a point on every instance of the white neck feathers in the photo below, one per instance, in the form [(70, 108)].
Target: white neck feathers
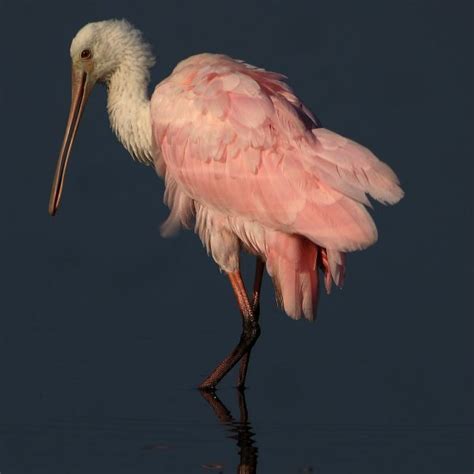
[(129, 109)]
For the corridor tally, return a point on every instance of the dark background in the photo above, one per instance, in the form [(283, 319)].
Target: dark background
[(105, 327)]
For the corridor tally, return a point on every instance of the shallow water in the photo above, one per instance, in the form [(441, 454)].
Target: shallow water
[(225, 434)]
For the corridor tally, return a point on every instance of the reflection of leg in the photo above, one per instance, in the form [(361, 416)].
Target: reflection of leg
[(248, 452), (257, 285), (250, 333), (221, 411), (244, 414)]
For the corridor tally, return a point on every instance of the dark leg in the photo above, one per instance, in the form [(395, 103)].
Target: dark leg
[(250, 333), (257, 285)]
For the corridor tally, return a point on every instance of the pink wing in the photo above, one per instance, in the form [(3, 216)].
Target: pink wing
[(237, 139)]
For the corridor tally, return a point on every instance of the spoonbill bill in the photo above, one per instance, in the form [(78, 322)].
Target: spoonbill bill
[(245, 163)]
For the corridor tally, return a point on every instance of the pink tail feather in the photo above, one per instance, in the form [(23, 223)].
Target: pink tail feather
[(292, 264)]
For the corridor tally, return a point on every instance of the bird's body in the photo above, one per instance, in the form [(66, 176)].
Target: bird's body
[(248, 160), (245, 163)]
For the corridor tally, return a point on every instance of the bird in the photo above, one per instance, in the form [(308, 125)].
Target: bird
[(245, 164)]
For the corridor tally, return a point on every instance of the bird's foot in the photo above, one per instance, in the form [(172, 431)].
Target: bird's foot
[(206, 387)]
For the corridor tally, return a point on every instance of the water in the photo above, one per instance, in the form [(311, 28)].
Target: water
[(226, 436)]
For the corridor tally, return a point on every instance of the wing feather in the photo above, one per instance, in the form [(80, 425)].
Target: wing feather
[(237, 139)]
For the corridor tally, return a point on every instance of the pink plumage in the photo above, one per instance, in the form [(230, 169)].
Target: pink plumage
[(248, 163)]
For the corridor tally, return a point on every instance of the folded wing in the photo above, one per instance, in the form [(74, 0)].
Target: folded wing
[(237, 139)]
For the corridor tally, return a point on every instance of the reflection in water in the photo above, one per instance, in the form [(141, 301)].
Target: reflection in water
[(241, 429)]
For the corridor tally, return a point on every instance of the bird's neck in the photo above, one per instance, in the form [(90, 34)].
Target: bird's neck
[(129, 110)]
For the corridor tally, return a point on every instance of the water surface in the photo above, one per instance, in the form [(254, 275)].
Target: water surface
[(218, 437)]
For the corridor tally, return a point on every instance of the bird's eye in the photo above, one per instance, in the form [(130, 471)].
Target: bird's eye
[(86, 54)]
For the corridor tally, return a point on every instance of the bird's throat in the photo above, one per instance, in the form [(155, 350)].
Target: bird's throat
[(129, 111)]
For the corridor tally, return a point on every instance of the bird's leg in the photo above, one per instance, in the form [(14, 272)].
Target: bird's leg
[(257, 285), (250, 333)]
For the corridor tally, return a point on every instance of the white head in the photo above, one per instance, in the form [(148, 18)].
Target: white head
[(102, 47), (98, 51)]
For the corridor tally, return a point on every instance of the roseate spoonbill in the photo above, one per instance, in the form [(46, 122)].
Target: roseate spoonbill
[(244, 162)]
